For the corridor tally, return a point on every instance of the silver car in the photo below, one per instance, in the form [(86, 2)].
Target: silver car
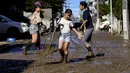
[(10, 27)]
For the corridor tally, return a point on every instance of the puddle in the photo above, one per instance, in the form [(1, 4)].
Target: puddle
[(13, 66), (76, 60), (18, 48)]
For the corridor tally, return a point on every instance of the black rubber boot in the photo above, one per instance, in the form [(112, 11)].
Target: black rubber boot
[(25, 48), (66, 58), (62, 55), (37, 45)]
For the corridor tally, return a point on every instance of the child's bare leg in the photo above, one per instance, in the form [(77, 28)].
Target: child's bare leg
[(66, 45), (61, 50)]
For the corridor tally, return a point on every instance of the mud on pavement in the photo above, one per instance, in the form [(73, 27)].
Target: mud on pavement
[(112, 56)]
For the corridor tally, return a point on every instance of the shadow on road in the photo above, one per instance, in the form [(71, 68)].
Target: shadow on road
[(11, 48), (70, 61), (100, 54), (76, 60), (13, 66), (15, 48), (88, 59), (50, 63)]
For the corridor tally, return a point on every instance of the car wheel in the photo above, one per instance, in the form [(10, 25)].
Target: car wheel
[(13, 32)]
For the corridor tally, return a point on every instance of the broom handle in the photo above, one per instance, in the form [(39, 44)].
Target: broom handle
[(53, 34)]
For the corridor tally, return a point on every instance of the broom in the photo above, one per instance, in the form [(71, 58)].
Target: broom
[(48, 47)]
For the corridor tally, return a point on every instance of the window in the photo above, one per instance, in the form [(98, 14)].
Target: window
[(2, 20)]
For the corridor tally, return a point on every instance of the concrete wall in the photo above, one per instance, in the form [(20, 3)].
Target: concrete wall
[(47, 14)]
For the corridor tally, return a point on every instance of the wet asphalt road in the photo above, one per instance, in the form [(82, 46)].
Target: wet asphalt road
[(112, 56)]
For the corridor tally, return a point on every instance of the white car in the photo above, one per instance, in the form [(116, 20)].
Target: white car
[(10, 27)]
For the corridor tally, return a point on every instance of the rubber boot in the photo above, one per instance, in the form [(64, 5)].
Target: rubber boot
[(37, 45), (62, 55), (66, 58), (25, 48), (90, 53)]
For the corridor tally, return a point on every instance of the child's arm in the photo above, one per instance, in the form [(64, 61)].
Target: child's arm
[(73, 29), (78, 33), (83, 24), (32, 18)]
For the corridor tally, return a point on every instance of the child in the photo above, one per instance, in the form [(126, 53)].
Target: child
[(65, 35), (35, 20)]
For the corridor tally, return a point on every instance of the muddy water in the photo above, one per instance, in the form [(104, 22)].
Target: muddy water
[(112, 56)]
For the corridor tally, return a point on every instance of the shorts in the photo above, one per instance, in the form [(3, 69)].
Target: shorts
[(65, 37), (87, 35), (33, 29)]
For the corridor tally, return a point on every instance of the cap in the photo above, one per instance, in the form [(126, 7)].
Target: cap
[(37, 3)]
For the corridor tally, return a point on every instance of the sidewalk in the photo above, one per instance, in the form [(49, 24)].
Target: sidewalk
[(116, 58)]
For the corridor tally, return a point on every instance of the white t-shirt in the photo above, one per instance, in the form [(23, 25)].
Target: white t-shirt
[(35, 18), (66, 25)]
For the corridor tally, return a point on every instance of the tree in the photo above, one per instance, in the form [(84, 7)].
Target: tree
[(103, 9), (56, 5), (29, 5), (117, 8)]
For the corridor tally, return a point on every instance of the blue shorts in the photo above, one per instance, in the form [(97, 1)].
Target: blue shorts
[(65, 37)]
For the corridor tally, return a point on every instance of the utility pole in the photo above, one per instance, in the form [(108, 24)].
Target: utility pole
[(98, 18), (67, 4), (125, 19), (111, 17)]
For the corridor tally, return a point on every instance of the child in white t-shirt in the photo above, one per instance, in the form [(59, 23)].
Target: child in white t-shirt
[(65, 35)]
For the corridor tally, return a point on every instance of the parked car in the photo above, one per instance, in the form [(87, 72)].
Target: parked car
[(76, 21), (77, 25), (10, 27)]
